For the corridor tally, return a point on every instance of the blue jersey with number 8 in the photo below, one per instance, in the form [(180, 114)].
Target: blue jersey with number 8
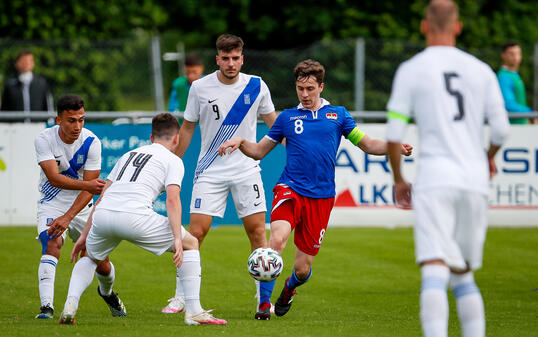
[(312, 141)]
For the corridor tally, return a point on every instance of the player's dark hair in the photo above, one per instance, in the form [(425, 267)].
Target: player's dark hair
[(164, 126), (307, 68), (192, 59), (23, 53), (509, 44), (229, 42), (69, 102)]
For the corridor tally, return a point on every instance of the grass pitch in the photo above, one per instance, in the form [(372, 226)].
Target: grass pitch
[(364, 283)]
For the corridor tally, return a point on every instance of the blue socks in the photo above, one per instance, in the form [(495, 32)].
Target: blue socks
[(266, 290), (295, 281)]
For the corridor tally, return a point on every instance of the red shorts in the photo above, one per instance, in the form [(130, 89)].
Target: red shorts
[(308, 216)]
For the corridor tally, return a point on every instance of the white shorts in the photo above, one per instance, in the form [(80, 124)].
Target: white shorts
[(151, 232), (45, 215), (248, 194), (450, 225)]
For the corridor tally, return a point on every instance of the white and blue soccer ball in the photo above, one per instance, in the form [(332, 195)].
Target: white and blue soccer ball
[(265, 264)]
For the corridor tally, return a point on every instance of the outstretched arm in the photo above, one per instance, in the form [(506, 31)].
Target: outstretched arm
[(402, 190), (379, 147), (253, 150)]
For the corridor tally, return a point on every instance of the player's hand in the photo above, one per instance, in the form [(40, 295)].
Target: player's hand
[(95, 186), (232, 143), (407, 149), (402, 194), (492, 167), (58, 226), (178, 252), (78, 248)]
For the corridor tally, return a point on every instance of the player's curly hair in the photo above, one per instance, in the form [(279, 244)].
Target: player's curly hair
[(164, 126), (307, 68)]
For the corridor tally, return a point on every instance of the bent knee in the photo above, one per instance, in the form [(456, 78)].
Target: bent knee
[(190, 242), (104, 267)]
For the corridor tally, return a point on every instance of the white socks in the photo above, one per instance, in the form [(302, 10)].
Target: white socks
[(179, 287), (434, 301), (81, 278), (190, 274), (46, 274), (106, 281), (469, 305)]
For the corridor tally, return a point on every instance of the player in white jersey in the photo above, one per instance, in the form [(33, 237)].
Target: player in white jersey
[(226, 104), (124, 212), (450, 94), (70, 159)]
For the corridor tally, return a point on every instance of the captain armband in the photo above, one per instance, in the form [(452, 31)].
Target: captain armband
[(356, 135), (396, 115)]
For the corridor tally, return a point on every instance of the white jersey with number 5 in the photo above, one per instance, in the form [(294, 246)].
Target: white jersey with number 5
[(139, 177), (225, 111), (450, 94)]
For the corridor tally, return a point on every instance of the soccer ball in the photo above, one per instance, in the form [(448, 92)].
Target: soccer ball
[(265, 264)]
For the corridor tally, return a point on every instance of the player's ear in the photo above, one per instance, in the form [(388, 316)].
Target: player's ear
[(58, 119), (424, 27), (458, 25), (321, 87), (151, 137)]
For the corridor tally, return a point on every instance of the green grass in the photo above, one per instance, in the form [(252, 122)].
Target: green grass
[(364, 283)]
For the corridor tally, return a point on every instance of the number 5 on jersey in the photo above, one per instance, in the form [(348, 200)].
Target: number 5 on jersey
[(455, 93)]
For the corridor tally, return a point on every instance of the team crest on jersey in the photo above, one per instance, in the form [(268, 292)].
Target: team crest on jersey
[(80, 159), (331, 115), (246, 98)]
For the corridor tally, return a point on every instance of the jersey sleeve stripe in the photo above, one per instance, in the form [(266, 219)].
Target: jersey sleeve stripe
[(271, 139), (355, 136), (396, 115)]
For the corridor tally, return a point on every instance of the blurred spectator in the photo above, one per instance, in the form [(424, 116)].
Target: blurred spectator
[(27, 91), (181, 85), (512, 86)]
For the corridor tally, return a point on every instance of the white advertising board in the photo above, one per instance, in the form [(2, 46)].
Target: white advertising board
[(19, 173), (364, 188)]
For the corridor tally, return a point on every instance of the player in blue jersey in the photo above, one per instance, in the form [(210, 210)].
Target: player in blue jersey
[(304, 195)]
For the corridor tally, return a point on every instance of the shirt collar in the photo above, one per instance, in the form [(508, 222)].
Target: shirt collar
[(324, 102)]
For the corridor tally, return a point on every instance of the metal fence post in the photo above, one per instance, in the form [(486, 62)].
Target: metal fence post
[(535, 98), (156, 68), (359, 74)]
